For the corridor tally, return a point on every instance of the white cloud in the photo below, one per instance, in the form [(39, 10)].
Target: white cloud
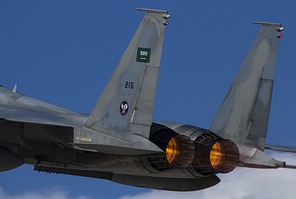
[(242, 183), (45, 194)]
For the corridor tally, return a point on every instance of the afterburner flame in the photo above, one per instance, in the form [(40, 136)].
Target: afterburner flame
[(173, 151), (180, 151), (217, 155)]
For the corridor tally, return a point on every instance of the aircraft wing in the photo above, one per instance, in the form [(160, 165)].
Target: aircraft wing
[(40, 116), (29, 110)]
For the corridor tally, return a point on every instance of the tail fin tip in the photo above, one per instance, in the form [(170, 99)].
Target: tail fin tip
[(272, 24), (153, 10)]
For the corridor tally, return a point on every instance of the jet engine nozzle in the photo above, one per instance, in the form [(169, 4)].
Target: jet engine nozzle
[(198, 150), (214, 154), (180, 151)]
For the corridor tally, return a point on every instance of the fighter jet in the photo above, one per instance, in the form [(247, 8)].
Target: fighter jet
[(118, 141)]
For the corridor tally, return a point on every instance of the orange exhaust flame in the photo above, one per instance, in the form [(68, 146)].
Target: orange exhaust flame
[(180, 151), (217, 155), (173, 151)]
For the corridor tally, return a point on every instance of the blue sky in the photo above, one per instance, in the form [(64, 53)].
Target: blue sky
[(64, 52)]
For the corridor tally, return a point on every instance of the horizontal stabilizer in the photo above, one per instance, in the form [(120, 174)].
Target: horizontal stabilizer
[(281, 148)]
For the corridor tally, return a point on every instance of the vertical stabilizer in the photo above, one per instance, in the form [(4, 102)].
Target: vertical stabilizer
[(244, 114), (125, 107)]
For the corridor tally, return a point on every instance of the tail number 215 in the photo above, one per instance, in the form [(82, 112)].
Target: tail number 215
[(129, 85)]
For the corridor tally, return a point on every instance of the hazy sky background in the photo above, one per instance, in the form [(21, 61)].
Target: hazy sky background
[(64, 52)]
